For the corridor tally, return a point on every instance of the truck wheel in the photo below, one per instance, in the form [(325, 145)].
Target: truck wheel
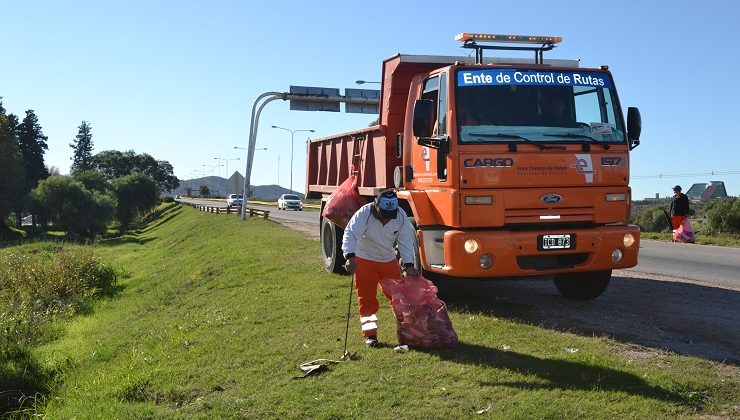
[(582, 286), (331, 243)]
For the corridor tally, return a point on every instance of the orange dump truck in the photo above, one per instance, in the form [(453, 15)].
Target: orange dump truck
[(508, 167)]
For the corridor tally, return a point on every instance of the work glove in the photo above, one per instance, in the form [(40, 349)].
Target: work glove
[(411, 271), (349, 266)]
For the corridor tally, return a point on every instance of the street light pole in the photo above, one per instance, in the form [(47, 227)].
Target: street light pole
[(227, 171), (212, 168), (244, 148), (292, 133)]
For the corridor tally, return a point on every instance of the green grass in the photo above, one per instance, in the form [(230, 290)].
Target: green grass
[(702, 239), (215, 315)]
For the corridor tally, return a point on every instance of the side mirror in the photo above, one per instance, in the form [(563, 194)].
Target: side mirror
[(634, 126), (423, 113)]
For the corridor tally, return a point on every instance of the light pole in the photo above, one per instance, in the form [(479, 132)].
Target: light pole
[(292, 133), (362, 82), (202, 174), (212, 168), (244, 148)]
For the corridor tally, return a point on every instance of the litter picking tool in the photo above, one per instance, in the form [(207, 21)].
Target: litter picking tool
[(668, 218), (318, 366), (345, 354)]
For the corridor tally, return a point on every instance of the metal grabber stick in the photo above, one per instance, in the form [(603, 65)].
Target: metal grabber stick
[(349, 309)]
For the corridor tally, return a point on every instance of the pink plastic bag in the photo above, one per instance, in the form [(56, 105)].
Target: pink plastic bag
[(684, 233), (421, 317), (343, 202)]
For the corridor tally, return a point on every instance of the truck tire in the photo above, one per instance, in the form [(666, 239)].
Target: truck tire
[(331, 244), (582, 286)]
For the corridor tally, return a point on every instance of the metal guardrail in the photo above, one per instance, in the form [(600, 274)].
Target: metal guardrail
[(228, 209)]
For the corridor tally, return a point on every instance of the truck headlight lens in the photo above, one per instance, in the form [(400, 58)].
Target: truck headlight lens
[(629, 240), (471, 246), (486, 261), (617, 255)]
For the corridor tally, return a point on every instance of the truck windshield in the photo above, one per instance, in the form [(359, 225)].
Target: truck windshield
[(508, 105)]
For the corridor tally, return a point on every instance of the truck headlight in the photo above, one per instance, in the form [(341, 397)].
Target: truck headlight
[(629, 240), (471, 246)]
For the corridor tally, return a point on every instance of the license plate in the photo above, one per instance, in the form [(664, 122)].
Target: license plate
[(556, 241)]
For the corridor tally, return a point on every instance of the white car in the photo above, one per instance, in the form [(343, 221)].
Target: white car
[(290, 201), (234, 200)]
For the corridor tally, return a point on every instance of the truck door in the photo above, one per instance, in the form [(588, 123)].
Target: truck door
[(429, 162)]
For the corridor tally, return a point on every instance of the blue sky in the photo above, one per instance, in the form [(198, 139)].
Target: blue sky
[(176, 79)]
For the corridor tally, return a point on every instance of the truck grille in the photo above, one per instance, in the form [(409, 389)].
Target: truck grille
[(550, 262), (526, 216)]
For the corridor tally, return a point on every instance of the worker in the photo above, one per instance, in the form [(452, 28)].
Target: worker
[(679, 207), (368, 246)]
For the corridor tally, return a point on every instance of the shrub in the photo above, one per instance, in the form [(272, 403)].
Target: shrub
[(723, 215), (137, 194), (37, 287), (651, 219), (66, 202)]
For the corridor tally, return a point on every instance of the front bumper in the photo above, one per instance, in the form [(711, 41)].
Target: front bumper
[(515, 253)]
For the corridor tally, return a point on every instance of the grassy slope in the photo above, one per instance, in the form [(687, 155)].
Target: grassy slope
[(216, 314)]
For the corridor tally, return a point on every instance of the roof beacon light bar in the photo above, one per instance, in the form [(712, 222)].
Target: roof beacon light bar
[(470, 40)]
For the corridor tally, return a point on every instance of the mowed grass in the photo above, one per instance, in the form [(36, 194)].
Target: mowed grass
[(216, 314)]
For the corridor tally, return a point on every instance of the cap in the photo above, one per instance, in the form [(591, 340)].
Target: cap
[(388, 204), (677, 188)]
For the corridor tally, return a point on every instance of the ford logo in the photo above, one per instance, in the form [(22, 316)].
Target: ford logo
[(551, 198)]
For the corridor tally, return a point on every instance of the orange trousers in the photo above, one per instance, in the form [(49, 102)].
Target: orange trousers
[(368, 275), (676, 221)]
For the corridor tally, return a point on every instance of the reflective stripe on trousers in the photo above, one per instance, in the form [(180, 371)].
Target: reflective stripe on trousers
[(367, 278)]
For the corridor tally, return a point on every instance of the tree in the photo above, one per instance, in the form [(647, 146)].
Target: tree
[(82, 146), (66, 203), (93, 181), (204, 191), (115, 164), (137, 193), (12, 176), (32, 144)]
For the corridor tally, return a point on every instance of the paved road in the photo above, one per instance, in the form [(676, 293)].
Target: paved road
[(711, 265), (719, 266)]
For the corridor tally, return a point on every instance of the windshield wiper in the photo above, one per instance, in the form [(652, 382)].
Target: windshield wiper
[(510, 136), (581, 136)]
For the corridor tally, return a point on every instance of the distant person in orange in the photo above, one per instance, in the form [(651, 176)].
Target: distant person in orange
[(679, 207)]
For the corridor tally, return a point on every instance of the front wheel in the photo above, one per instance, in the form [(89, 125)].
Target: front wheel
[(582, 286), (331, 244)]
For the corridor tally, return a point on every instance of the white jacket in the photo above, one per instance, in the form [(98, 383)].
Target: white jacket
[(366, 237)]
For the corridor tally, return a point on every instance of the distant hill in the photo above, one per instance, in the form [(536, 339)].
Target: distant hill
[(221, 187)]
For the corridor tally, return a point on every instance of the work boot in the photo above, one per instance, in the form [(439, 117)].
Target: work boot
[(371, 341)]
